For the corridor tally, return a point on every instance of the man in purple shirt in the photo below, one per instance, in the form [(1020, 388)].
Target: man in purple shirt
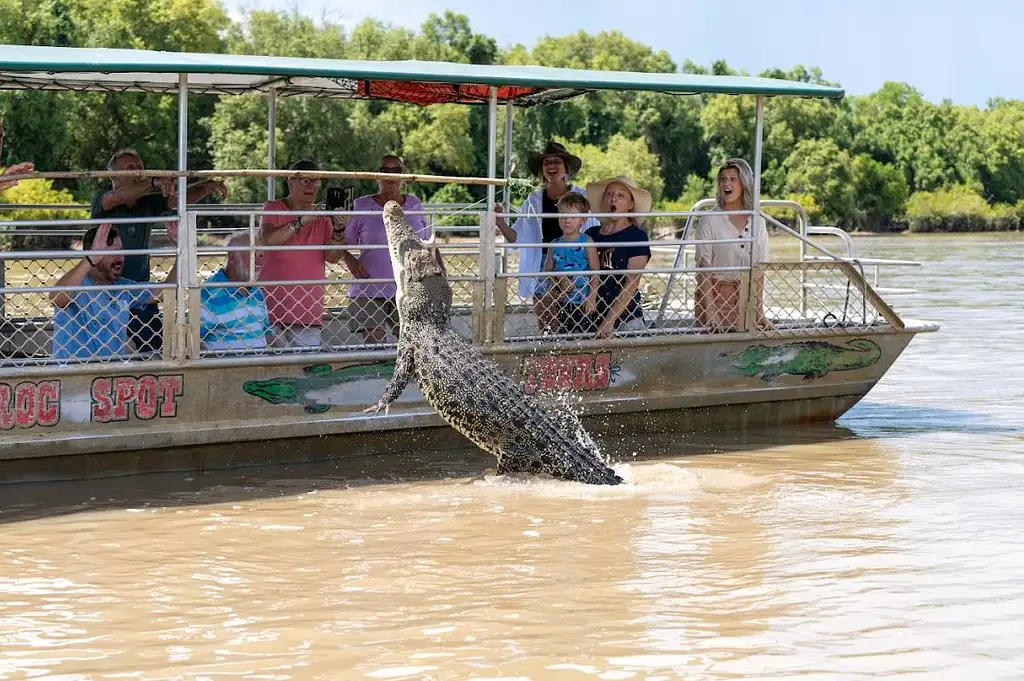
[(371, 308)]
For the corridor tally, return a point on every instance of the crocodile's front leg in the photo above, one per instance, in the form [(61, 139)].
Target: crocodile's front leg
[(394, 388)]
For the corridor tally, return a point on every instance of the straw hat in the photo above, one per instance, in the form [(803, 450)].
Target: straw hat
[(536, 160), (641, 197)]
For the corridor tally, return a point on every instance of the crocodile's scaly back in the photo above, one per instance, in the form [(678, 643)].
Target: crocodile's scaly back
[(470, 392)]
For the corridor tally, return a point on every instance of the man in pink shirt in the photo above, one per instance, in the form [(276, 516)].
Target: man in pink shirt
[(296, 310), (371, 308)]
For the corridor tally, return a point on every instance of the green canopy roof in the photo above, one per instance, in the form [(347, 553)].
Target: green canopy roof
[(115, 70)]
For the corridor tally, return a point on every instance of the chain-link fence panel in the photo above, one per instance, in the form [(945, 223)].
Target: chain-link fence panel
[(44, 323), (825, 296)]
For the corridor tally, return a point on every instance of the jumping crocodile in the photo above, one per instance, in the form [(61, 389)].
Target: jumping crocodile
[(810, 359), (470, 392), (287, 390)]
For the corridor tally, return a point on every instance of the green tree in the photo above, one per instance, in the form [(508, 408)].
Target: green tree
[(622, 156), (820, 168), (37, 192), (880, 191)]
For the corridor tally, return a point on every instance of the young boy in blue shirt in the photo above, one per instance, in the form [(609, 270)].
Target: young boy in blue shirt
[(577, 296)]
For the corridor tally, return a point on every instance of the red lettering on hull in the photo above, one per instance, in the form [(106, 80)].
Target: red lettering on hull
[(120, 398), (29, 404), (583, 372)]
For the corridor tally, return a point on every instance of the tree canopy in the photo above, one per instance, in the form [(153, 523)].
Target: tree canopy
[(862, 161)]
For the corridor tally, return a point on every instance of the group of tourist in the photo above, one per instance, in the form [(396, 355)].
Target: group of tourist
[(603, 304), (103, 318)]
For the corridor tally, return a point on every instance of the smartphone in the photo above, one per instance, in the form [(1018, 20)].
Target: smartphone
[(340, 198)]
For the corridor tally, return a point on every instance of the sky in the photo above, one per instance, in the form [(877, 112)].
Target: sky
[(964, 51)]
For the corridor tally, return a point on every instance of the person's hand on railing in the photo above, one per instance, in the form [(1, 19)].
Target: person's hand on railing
[(217, 187), (172, 231), (356, 268), (168, 186), (607, 328), (16, 169)]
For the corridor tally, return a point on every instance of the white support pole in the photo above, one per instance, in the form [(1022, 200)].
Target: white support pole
[(187, 239), (759, 125), (271, 140), (506, 202), (487, 246)]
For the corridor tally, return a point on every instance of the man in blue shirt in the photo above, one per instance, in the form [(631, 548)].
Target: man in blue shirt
[(94, 324)]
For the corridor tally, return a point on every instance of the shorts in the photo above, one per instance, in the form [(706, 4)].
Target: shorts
[(368, 314), (634, 324), (572, 318), (295, 336), (145, 329)]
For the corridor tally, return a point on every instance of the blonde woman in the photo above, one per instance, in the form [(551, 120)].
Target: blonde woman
[(718, 293), (618, 298)]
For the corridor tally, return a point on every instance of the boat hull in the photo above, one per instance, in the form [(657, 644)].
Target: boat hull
[(104, 421)]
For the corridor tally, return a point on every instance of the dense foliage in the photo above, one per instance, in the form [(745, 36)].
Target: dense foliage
[(888, 158)]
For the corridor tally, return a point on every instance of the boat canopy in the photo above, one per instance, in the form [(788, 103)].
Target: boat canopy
[(26, 67)]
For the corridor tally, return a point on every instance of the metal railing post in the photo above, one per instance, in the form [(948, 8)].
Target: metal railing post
[(271, 140), (487, 240)]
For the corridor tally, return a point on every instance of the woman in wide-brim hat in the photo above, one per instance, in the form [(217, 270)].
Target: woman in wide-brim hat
[(618, 297), (555, 167)]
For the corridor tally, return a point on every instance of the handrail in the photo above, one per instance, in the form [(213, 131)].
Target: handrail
[(851, 248)]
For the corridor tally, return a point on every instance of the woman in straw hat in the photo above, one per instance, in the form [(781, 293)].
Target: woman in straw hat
[(717, 298), (618, 297), (555, 167)]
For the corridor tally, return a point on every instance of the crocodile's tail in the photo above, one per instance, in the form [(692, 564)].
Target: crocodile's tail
[(574, 463)]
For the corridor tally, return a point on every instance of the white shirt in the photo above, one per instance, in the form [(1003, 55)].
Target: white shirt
[(529, 231), (738, 254)]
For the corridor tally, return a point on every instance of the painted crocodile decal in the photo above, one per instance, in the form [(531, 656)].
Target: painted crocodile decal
[(292, 390), (810, 359)]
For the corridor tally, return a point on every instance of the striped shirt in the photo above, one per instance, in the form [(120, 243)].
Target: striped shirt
[(232, 318)]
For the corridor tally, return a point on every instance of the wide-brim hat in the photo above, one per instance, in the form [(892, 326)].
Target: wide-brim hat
[(536, 160), (642, 200)]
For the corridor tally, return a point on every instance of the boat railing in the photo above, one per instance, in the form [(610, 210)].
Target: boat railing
[(778, 298), (875, 264)]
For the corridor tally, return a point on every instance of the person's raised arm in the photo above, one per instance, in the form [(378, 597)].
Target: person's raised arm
[(199, 190), (128, 193), (278, 235), (16, 169), (621, 302), (78, 273)]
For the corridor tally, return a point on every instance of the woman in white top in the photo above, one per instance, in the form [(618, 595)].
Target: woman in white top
[(555, 167), (717, 297)]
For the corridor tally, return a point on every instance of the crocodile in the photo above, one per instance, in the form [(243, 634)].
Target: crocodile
[(288, 390), (810, 359), (469, 392)]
